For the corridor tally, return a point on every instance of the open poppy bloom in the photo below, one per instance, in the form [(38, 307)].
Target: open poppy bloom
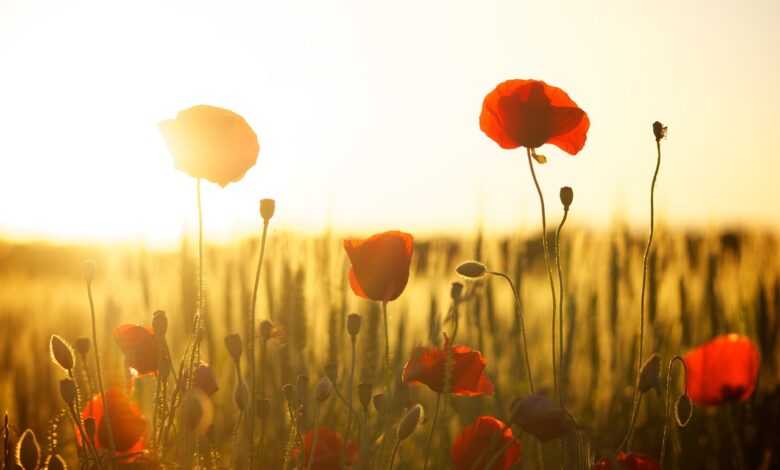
[(127, 423), (140, 348), (628, 461), (380, 265), (427, 366), (531, 113), (212, 143), (723, 370), (479, 442), (328, 453)]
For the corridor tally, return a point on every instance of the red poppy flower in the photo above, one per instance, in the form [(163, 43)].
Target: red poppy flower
[(127, 423), (427, 366), (722, 370), (628, 461), (530, 113), (478, 443), (212, 143), (205, 380), (380, 265), (328, 453), (139, 346)]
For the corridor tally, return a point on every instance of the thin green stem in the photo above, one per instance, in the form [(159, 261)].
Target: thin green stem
[(433, 428), (200, 251), (560, 300), (251, 349), (546, 262), (316, 436), (668, 402), (387, 343), (395, 452), (349, 396)]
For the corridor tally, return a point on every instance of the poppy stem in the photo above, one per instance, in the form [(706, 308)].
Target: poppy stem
[(739, 456), (251, 349), (395, 452), (546, 262), (349, 395), (313, 452), (430, 434), (668, 403), (387, 344), (560, 301)]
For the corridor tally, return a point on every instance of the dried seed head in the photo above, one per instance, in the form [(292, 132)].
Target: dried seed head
[(89, 270), (649, 374), (266, 330), (353, 324), (241, 396), (82, 345), (456, 291), (364, 394), (233, 345), (323, 390), (197, 412), (68, 391), (160, 323), (90, 426), (55, 462), (379, 401), (267, 209), (659, 131), (683, 410), (28, 452), (289, 393), (471, 269), (567, 196), (263, 408), (61, 353), (409, 422)]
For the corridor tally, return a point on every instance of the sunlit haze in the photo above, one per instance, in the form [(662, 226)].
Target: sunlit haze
[(367, 113)]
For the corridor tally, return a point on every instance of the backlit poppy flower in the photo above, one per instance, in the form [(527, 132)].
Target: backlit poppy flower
[(212, 143), (139, 346), (479, 442), (627, 461), (127, 423), (723, 370), (328, 453), (530, 113), (427, 366), (380, 265)]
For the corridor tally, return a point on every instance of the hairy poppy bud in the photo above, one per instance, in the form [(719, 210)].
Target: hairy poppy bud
[(263, 408), (28, 452), (82, 345), (379, 401), (267, 209), (233, 345), (353, 324), (289, 393), (68, 391), (55, 462), (567, 196), (659, 130), (364, 394), (266, 330), (649, 373), (89, 270), (241, 396), (409, 422), (471, 269), (323, 390), (160, 323), (683, 410), (61, 353)]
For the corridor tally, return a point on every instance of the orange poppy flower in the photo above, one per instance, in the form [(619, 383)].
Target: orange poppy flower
[(427, 366), (530, 113), (478, 443), (723, 370), (212, 143), (139, 346), (127, 423), (628, 461), (380, 265), (328, 453)]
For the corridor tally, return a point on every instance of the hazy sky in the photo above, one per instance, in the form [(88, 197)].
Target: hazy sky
[(368, 111)]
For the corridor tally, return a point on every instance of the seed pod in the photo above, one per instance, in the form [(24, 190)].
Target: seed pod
[(659, 130), (289, 393), (323, 390), (409, 422), (160, 323), (683, 410), (456, 291), (234, 346), (567, 196), (55, 462), (68, 391), (28, 452), (241, 396), (82, 345), (353, 324), (471, 269), (61, 353), (267, 209), (649, 374), (364, 394), (89, 270), (379, 402)]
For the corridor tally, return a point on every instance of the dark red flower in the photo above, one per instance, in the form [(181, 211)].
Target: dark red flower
[(127, 423), (478, 443), (328, 452), (139, 346), (627, 461), (530, 113), (723, 370), (427, 366), (380, 265), (212, 143)]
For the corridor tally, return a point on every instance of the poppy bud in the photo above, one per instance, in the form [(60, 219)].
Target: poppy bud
[(82, 345), (263, 408), (379, 401), (456, 291), (266, 330), (160, 323), (241, 396), (61, 353), (683, 410), (542, 417), (55, 462), (90, 426), (409, 422), (289, 393), (471, 269), (68, 391), (323, 390), (364, 394), (659, 130), (233, 345), (267, 209), (649, 373), (567, 196), (89, 270), (28, 452), (353, 324)]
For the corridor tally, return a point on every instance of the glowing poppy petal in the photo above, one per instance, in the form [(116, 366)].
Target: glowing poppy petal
[(327, 455), (723, 370), (427, 366), (479, 442), (127, 423), (380, 265), (139, 346)]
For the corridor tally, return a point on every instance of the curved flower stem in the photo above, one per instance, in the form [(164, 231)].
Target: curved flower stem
[(251, 349), (635, 407), (546, 263), (560, 301), (433, 428), (522, 325), (395, 452), (315, 438), (667, 403)]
